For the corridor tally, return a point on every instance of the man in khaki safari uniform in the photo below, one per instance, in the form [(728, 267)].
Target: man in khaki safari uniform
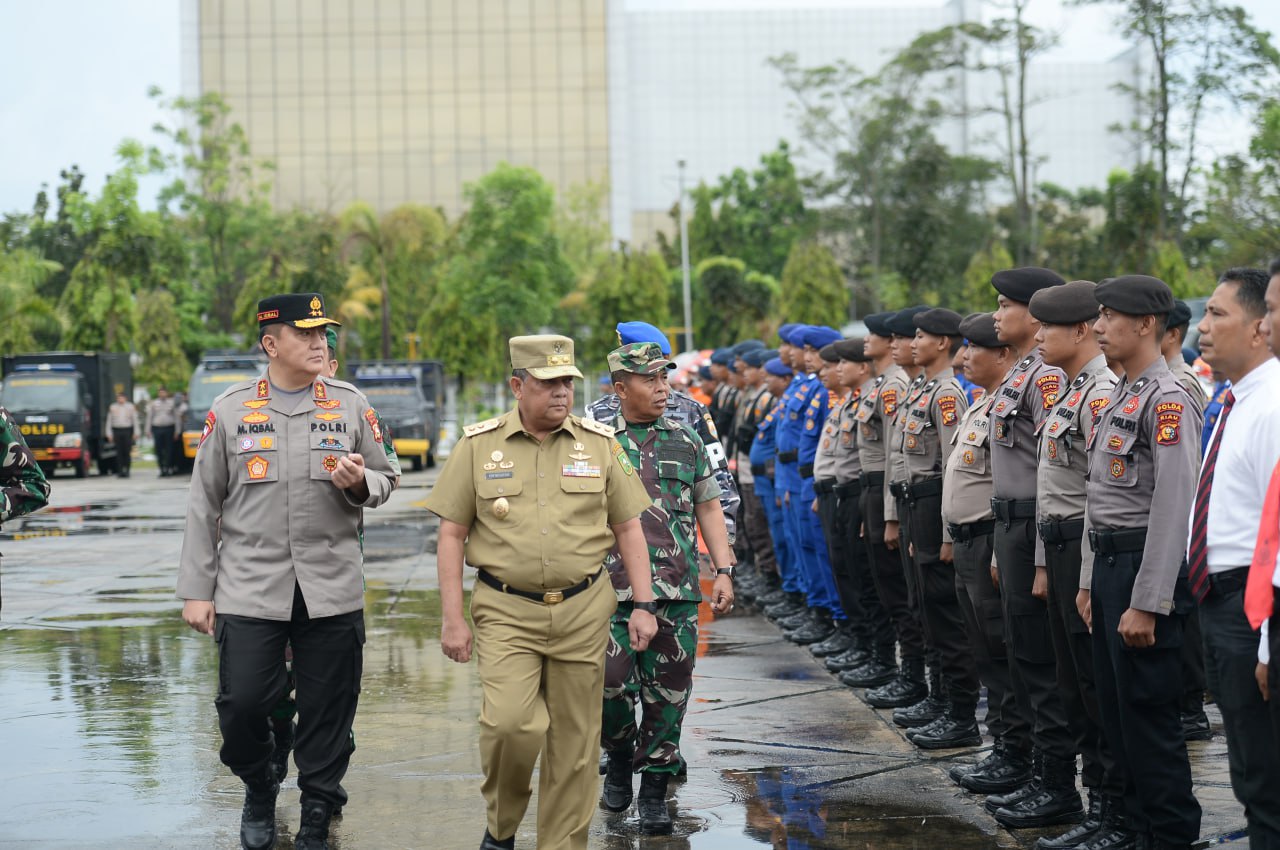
[(535, 499), (271, 557)]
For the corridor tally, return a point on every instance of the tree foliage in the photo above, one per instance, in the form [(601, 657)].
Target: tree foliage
[(813, 290)]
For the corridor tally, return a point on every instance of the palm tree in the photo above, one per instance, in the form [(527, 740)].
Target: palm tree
[(361, 229)]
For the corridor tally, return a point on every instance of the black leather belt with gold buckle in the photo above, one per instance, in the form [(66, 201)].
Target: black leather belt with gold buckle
[(548, 597)]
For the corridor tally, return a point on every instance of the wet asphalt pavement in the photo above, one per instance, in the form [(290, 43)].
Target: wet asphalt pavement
[(108, 736)]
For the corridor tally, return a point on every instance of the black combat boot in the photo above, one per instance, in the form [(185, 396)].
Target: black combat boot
[(772, 596), (284, 732), (1055, 801), (840, 640), (960, 771), (921, 713), (851, 659), (1025, 788), (1195, 726), (819, 628), (618, 788), (1010, 771), (908, 688), (652, 804), (258, 817), (313, 833), (1114, 834), (791, 622), (491, 843), (957, 728), (1081, 832), (792, 604)]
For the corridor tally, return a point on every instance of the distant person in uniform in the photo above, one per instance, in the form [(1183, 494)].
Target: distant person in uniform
[(122, 419), (23, 487), (271, 557), (162, 421), (535, 499)]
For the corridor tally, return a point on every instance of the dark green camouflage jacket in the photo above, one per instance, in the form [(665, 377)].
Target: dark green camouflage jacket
[(22, 482), (676, 470)]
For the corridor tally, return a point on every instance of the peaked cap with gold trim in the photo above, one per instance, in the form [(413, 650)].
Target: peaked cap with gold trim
[(300, 309)]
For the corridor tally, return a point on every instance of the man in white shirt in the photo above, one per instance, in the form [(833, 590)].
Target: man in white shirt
[(1260, 613), (1234, 476)]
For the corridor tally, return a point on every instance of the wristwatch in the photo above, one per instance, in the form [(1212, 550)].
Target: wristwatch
[(651, 607), (725, 571)]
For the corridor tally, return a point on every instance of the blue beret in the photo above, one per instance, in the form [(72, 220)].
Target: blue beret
[(606, 381), (1189, 356), (878, 323), (819, 335), (745, 346), (903, 322), (722, 356), (759, 356), (776, 367), (784, 330), (794, 335), (704, 372), (629, 332)]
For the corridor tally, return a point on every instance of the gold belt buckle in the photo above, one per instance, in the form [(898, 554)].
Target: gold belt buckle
[(553, 596)]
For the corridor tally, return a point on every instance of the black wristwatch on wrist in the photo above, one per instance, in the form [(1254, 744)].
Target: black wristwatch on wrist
[(651, 607), (725, 571)]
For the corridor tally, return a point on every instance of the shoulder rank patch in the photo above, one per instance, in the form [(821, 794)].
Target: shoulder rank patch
[(1168, 423), (264, 388), (1098, 405), (1049, 385), (1132, 405), (602, 428), (947, 407), (375, 424), (209, 422), (481, 427)]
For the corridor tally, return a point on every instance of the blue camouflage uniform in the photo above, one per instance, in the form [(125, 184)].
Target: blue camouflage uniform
[(820, 581), (786, 471), (764, 451)]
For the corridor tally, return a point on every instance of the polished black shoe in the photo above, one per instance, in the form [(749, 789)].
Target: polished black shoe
[(925, 729), (313, 832), (284, 732), (873, 674), (1081, 832), (618, 788), (904, 690), (651, 804), (794, 621), (948, 732), (1010, 771), (1054, 801), (258, 817), (491, 843), (792, 604), (921, 713), (959, 771), (839, 641), (819, 628), (1114, 834), (996, 802), (1195, 726), (851, 659), (771, 597)]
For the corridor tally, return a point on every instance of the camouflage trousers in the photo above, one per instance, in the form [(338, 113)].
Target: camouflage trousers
[(661, 677)]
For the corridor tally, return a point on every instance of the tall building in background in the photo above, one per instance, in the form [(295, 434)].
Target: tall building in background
[(389, 101)]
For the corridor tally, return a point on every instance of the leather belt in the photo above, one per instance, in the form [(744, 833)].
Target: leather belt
[(1113, 541), (759, 469), (1059, 532), (788, 457), (1228, 581), (1008, 511), (824, 485), (846, 489), (924, 489), (806, 470), (871, 479), (969, 531), (550, 597), (898, 489)]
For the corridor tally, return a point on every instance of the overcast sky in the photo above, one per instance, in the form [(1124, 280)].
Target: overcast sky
[(76, 74)]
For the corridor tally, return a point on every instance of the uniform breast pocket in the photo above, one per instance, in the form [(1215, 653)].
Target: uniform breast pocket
[(1058, 450), (676, 480), (1002, 428), (583, 500), (1120, 468), (973, 453), (915, 440), (326, 451), (490, 490), (258, 466)]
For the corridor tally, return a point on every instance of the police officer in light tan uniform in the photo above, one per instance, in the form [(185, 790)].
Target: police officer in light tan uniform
[(271, 556), (535, 499)]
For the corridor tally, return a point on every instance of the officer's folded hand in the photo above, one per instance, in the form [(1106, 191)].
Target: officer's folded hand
[(891, 534), (349, 474), (722, 595), (199, 615), (455, 641), (1137, 628), (641, 627), (1084, 604), (1260, 673)]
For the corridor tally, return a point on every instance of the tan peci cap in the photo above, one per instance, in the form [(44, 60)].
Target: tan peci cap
[(545, 356)]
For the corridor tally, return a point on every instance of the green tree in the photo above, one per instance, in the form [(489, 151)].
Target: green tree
[(630, 286), (813, 290), (28, 316), (158, 343), (978, 296), (732, 302), (364, 237)]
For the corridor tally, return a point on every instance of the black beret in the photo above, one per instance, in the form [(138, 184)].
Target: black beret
[(1020, 284), (939, 321), (745, 346), (1180, 314), (759, 356), (722, 356), (878, 323), (980, 329), (851, 349), (1135, 295), (828, 353), (903, 322), (704, 372), (1067, 304)]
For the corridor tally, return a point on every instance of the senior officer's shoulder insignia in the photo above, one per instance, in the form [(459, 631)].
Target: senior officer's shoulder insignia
[(481, 427), (602, 428)]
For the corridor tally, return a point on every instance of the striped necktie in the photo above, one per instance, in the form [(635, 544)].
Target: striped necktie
[(1198, 551)]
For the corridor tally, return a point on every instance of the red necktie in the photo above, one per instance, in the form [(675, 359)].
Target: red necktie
[(1198, 551), (1258, 593)]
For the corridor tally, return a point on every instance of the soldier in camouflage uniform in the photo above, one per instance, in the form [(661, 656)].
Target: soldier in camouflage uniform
[(676, 470), (23, 486), (680, 408)]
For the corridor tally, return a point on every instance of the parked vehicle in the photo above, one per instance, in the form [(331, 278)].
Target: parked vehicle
[(410, 396), (217, 371)]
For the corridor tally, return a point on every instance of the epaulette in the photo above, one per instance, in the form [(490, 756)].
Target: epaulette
[(602, 428), (482, 427)]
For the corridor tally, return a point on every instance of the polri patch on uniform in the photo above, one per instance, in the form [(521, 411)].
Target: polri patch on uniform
[(330, 463), (1074, 400), (1117, 468), (255, 403), (1049, 385), (1098, 405), (1115, 442), (375, 425), (947, 405), (264, 388), (332, 444), (254, 418), (1168, 423), (246, 444), (1132, 405), (1051, 447), (967, 457), (328, 403), (621, 454), (321, 392), (257, 467), (209, 421), (267, 443), (890, 402), (328, 417)]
